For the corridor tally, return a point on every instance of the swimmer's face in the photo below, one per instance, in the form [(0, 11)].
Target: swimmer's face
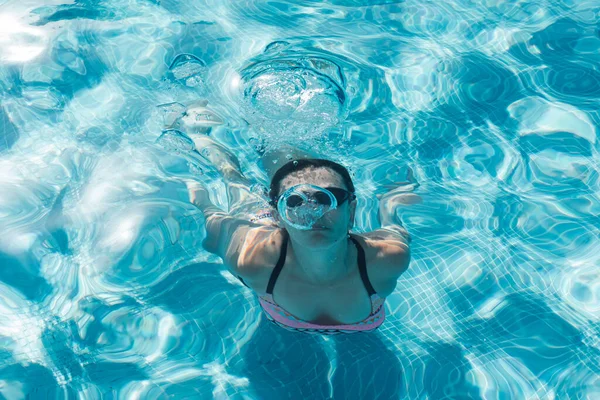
[(335, 224)]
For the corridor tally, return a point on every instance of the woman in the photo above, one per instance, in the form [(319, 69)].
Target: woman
[(309, 271)]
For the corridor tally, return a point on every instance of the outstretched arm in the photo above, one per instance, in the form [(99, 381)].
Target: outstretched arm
[(226, 236), (199, 197), (390, 229), (392, 240)]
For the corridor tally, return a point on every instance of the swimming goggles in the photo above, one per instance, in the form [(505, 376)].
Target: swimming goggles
[(301, 206)]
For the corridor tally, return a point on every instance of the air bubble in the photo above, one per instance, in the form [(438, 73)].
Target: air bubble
[(294, 96), (189, 70), (175, 140)]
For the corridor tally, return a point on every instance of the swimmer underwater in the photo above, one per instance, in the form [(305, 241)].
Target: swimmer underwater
[(311, 273)]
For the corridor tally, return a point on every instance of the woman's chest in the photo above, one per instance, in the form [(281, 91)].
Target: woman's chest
[(345, 302)]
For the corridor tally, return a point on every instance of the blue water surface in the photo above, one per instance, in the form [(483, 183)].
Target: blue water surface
[(486, 111)]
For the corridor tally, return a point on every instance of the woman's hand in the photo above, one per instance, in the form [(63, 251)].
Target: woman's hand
[(200, 197), (388, 203), (391, 200), (198, 193)]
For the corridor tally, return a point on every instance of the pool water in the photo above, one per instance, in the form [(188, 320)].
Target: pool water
[(488, 111)]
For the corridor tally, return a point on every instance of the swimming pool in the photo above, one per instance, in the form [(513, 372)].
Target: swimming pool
[(487, 110)]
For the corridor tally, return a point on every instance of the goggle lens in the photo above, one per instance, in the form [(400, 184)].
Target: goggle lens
[(294, 201), (340, 194)]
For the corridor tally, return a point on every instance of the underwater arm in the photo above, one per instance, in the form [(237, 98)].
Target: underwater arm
[(225, 235), (392, 241), (390, 228), (199, 197)]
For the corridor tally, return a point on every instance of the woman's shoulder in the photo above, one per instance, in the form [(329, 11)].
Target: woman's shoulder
[(382, 243), (387, 258), (258, 261), (388, 235)]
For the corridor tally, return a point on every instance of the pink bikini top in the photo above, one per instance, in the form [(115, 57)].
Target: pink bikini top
[(279, 316)]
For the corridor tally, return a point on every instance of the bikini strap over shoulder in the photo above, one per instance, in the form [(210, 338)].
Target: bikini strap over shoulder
[(279, 265), (362, 267)]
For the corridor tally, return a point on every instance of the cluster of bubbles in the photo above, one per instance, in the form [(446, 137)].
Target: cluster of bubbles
[(188, 70), (293, 95)]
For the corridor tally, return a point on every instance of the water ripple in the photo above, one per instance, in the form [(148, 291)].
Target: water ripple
[(472, 124)]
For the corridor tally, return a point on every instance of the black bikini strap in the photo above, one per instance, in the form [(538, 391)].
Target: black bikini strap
[(279, 265), (362, 267)]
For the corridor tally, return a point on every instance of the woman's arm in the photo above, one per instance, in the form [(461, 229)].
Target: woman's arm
[(390, 229), (199, 197), (392, 241), (226, 236)]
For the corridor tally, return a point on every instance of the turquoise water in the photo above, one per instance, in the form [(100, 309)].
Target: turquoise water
[(487, 110)]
